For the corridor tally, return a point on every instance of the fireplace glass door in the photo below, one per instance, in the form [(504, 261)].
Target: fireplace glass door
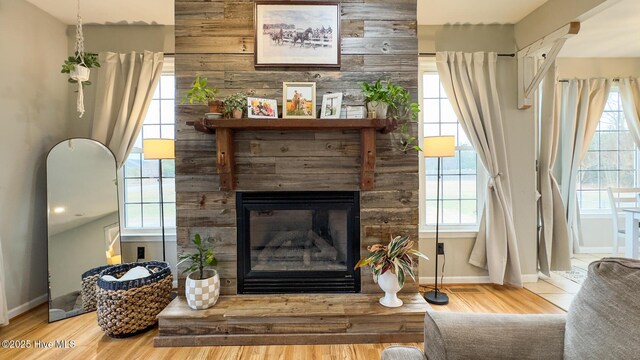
[(298, 242)]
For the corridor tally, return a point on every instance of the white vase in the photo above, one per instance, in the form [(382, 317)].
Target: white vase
[(202, 294), (388, 282)]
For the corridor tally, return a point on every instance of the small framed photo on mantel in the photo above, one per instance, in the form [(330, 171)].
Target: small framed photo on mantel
[(331, 106), (299, 100), (258, 108), (297, 34)]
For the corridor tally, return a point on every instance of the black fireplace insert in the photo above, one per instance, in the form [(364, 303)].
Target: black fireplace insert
[(298, 242)]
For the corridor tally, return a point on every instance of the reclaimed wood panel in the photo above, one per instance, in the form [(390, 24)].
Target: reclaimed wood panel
[(291, 319), (214, 38)]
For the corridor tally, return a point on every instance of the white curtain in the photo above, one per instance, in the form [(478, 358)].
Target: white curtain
[(125, 86), (553, 247), (4, 313), (630, 98), (582, 105), (469, 79)]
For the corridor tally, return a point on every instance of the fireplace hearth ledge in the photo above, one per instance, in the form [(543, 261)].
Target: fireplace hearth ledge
[(292, 320)]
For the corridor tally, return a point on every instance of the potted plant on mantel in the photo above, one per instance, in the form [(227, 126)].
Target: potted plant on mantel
[(235, 104), (393, 102), (390, 266), (202, 286), (202, 93), (376, 98)]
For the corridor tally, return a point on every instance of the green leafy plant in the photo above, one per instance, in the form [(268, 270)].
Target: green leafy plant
[(203, 257), (395, 257), (90, 61), (404, 111), (375, 92), (201, 92), (237, 101), (401, 109)]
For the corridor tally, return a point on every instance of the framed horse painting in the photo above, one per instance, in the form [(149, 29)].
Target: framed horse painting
[(297, 34), (299, 100)]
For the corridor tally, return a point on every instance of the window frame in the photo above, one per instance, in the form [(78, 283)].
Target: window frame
[(428, 66), (601, 212), (149, 233)]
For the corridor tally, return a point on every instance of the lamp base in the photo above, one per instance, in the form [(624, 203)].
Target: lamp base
[(436, 298)]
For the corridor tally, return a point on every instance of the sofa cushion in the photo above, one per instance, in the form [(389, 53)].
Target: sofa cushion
[(604, 319)]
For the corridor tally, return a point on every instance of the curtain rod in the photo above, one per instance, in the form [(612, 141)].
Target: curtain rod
[(434, 54), (567, 80)]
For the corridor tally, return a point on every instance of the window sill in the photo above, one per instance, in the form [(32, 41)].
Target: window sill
[(449, 234), (152, 234), (595, 215)]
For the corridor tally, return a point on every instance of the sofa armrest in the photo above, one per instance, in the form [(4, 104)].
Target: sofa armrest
[(493, 336)]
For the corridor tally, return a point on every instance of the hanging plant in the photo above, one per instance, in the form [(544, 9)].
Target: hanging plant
[(77, 66)]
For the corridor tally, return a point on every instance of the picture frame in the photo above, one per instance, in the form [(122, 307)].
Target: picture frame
[(299, 100), (297, 34), (259, 108), (331, 106), (356, 112)]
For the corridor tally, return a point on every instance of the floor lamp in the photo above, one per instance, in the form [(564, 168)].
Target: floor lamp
[(160, 149), (438, 147)]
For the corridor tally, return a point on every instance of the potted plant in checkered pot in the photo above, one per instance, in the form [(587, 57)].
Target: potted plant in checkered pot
[(202, 286)]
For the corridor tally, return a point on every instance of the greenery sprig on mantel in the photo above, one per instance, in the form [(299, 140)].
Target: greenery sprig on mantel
[(201, 92)]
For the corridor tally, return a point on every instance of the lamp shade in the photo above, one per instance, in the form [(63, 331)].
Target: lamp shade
[(155, 149), (439, 146)]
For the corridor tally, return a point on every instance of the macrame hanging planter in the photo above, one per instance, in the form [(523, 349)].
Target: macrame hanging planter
[(79, 65), (81, 72)]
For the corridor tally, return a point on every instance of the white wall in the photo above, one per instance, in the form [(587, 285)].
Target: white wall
[(73, 252), (33, 109), (585, 68), (152, 249), (519, 132)]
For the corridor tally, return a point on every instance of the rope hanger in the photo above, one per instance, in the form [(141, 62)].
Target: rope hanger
[(82, 74)]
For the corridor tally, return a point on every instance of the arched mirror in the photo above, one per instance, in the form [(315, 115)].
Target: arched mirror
[(83, 228)]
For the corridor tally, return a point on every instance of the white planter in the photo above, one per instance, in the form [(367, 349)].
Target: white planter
[(379, 107), (80, 73), (388, 282), (202, 294)]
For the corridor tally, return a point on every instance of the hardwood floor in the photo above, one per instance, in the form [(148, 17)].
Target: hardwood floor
[(90, 343)]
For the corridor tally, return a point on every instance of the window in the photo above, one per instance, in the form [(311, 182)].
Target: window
[(141, 198), (459, 200), (611, 161)]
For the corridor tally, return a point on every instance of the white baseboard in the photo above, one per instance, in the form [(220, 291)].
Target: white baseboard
[(483, 279), (21, 309)]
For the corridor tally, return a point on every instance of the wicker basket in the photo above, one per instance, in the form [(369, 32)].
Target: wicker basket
[(130, 307), (88, 292)]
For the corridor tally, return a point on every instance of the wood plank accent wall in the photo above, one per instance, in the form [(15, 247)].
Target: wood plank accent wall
[(214, 38)]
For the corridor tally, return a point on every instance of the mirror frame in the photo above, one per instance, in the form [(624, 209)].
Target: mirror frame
[(46, 172)]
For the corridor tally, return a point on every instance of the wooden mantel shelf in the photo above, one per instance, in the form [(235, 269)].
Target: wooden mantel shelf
[(224, 129)]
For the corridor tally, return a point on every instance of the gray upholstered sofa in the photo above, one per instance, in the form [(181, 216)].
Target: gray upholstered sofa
[(603, 322)]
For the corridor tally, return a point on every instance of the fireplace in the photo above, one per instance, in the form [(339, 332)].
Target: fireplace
[(298, 242)]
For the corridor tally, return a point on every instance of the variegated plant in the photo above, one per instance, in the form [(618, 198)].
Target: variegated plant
[(396, 257)]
